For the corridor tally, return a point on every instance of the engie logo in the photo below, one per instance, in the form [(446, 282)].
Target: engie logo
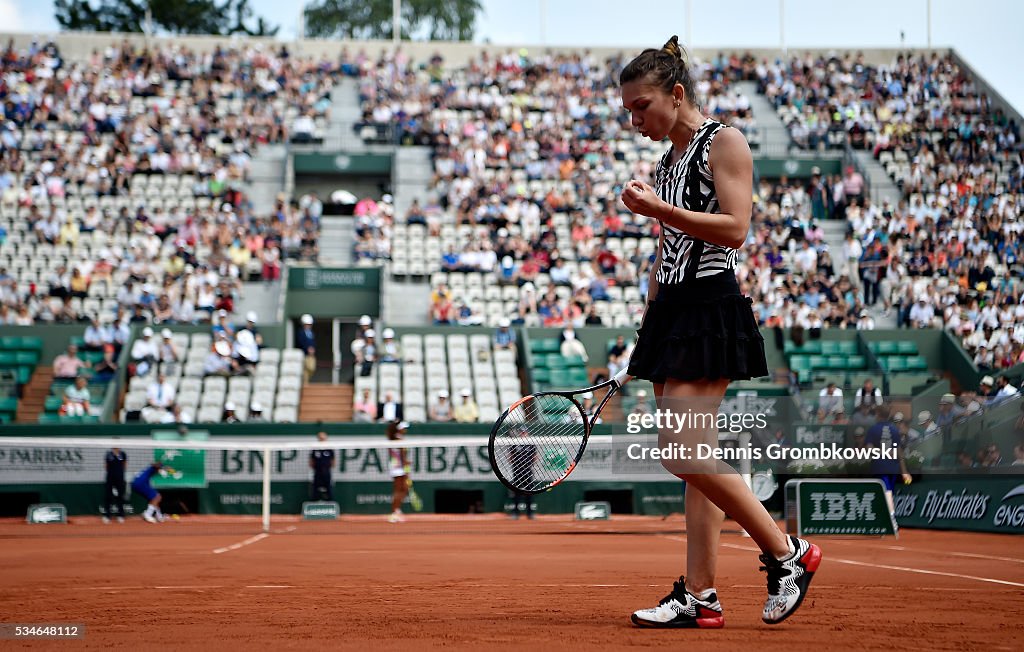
[(1010, 515)]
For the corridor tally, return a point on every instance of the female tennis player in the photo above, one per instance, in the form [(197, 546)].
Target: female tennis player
[(699, 332), (398, 463)]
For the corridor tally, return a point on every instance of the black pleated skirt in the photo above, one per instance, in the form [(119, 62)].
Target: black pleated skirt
[(703, 329)]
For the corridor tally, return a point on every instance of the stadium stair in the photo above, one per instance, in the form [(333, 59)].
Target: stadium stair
[(775, 137), (35, 392), (879, 181), (325, 402)]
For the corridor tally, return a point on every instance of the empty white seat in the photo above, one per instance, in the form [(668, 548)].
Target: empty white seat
[(213, 383), (264, 383), (266, 371), (211, 399), (435, 355), (289, 382), (270, 356), (488, 398), (286, 414), (458, 354), (264, 397), (416, 414), (504, 355), (209, 414), (291, 368), (287, 397), (412, 397), (238, 383), (292, 355)]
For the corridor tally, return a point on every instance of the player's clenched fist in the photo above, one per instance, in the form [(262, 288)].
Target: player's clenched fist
[(642, 200)]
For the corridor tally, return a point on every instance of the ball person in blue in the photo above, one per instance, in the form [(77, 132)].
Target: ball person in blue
[(141, 485)]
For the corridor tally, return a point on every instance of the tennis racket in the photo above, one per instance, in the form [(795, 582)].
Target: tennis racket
[(536, 443), (414, 498)]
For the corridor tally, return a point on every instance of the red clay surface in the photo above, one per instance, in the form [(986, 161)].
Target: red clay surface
[(485, 582)]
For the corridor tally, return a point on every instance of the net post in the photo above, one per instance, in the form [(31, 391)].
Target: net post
[(266, 489)]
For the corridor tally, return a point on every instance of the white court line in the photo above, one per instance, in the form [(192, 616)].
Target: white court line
[(926, 572), (907, 569), (952, 553), (235, 546), (269, 586)]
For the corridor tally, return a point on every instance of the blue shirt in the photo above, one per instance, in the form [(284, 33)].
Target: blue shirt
[(304, 339), (504, 337), (142, 478)]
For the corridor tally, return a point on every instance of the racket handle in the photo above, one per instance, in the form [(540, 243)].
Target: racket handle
[(621, 378)]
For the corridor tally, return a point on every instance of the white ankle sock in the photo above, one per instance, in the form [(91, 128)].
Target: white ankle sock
[(792, 549), (705, 594)]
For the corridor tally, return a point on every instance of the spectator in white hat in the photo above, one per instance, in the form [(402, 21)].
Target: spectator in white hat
[(986, 388), (169, 355), (250, 325), (505, 337), (365, 322), (144, 352), (229, 415), (467, 411), (256, 413), (925, 426), (441, 408), (949, 412), (866, 322), (367, 354), (218, 360), (642, 406), (305, 341), (390, 350), (219, 324)]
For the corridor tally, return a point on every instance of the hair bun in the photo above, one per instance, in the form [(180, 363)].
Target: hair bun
[(672, 48)]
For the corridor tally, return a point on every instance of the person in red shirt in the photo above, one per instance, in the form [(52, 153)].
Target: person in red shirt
[(613, 225), (529, 271), (606, 261)]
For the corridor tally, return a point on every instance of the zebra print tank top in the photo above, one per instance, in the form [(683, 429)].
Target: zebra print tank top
[(689, 184)]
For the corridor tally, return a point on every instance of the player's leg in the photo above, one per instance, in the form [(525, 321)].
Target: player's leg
[(399, 488), (703, 531), (160, 516), (152, 497), (789, 562), (693, 602)]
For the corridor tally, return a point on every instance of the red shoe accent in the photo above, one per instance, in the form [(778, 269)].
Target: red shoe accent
[(811, 558), (717, 622)]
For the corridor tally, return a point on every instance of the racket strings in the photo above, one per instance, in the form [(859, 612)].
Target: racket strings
[(538, 441)]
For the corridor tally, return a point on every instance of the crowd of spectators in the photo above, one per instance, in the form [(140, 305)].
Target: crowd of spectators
[(521, 143), (527, 152), (946, 252), (125, 173)]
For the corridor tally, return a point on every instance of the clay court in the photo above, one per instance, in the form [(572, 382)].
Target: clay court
[(475, 582)]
